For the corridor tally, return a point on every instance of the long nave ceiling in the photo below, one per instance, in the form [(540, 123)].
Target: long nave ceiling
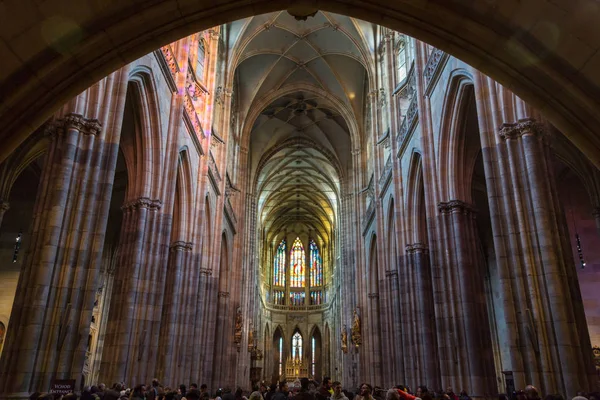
[(301, 85)]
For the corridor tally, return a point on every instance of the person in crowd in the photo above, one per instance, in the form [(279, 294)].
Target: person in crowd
[(392, 394), (304, 393), (421, 390), (139, 392), (86, 394), (324, 390), (451, 394), (204, 392), (256, 395), (283, 392), (192, 394), (531, 393), (239, 394), (181, 392), (101, 391), (263, 390), (113, 393), (271, 392), (337, 391), (594, 396), (365, 392), (218, 394), (125, 393), (463, 395), (227, 395)]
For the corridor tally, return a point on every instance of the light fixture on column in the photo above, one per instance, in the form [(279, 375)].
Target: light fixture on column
[(17, 247), (577, 239)]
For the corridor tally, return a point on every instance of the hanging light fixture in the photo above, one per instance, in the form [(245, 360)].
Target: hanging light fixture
[(577, 238), (17, 247)]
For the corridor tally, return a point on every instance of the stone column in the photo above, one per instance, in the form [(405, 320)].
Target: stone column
[(425, 315), (128, 337), (171, 355), (53, 306), (557, 345), (472, 333)]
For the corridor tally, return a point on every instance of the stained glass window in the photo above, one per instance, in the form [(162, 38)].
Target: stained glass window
[(297, 346), (316, 265), (280, 356), (278, 297), (200, 60), (279, 265), (297, 263), (297, 298), (314, 356), (316, 297)]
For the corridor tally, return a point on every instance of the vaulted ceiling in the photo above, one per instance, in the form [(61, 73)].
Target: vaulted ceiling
[(300, 88)]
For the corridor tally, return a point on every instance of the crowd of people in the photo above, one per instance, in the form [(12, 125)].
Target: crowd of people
[(305, 389)]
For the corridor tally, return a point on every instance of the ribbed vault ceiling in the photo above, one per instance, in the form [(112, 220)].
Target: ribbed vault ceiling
[(300, 143)]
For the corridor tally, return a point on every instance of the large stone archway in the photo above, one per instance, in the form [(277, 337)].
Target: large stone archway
[(546, 52)]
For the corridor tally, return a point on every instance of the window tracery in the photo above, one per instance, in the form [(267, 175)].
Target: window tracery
[(297, 265)]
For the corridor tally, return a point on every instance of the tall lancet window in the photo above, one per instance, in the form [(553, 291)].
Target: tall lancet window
[(200, 60), (297, 346), (316, 265), (279, 265), (297, 264), (280, 356)]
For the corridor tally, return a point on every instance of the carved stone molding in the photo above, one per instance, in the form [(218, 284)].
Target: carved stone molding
[(180, 245), (417, 248), (142, 202), (456, 206), (373, 295), (223, 294), (4, 205), (433, 68), (88, 126), (205, 271), (596, 212), (214, 34), (390, 273), (527, 126)]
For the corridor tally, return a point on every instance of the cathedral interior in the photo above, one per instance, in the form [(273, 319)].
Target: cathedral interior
[(301, 192)]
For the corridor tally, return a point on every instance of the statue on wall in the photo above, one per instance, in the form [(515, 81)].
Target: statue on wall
[(251, 344), (345, 339), (356, 337), (237, 337)]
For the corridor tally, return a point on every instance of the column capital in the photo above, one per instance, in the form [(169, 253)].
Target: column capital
[(142, 202), (458, 206), (4, 205), (526, 126), (390, 273), (180, 245), (417, 248)]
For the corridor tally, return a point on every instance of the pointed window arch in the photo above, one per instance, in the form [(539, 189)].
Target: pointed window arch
[(297, 346), (201, 56), (279, 265), (316, 265), (297, 264)]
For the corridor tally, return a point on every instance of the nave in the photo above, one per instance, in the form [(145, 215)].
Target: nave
[(277, 199)]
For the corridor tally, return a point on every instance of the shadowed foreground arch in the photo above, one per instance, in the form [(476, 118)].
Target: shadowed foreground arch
[(545, 52)]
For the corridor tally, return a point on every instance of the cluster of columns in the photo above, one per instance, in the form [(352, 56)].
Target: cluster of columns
[(165, 313), (436, 297)]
